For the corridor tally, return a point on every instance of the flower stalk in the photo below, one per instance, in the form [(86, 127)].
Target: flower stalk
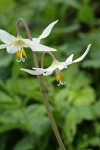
[(42, 58), (42, 87)]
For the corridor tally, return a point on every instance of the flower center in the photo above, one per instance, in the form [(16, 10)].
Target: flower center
[(59, 77), (18, 42), (20, 52)]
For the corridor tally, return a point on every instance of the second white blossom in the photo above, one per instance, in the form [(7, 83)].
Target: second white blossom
[(57, 67)]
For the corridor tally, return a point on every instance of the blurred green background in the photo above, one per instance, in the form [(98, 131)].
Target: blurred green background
[(24, 124)]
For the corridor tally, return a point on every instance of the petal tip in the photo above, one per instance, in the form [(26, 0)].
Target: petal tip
[(22, 69), (89, 45), (56, 21)]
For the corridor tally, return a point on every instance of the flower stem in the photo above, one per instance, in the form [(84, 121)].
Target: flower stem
[(42, 88), (42, 58)]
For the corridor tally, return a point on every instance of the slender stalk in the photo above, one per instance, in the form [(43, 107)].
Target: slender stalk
[(42, 58), (42, 88)]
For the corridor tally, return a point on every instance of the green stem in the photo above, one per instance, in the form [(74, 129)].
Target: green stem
[(42, 88)]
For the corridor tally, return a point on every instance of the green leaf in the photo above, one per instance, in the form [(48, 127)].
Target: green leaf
[(4, 88), (92, 63), (37, 121), (84, 112), (68, 29), (7, 96), (96, 109), (89, 141), (97, 127), (26, 87), (84, 96), (70, 126), (86, 15), (16, 116), (73, 3), (4, 98), (5, 60), (27, 143), (9, 5), (76, 79), (61, 101)]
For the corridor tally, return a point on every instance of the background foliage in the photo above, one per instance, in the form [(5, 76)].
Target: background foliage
[(24, 124)]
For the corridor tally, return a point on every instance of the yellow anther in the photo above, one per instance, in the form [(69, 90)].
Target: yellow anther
[(23, 53), (18, 54), (59, 77)]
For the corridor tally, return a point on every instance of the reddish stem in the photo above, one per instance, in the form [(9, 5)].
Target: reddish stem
[(42, 88)]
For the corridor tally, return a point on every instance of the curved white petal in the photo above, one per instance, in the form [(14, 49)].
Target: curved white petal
[(61, 65), (48, 70), (3, 46), (47, 30), (40, 47), (47, 73), (85, 53), (37, 47), (12, 49), (57, 65), (39, 70), (69, 59), (36, 40), (34, 71), (6, 37)]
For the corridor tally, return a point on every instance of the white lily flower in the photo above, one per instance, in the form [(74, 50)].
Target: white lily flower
[(57, 67), (17, 44)]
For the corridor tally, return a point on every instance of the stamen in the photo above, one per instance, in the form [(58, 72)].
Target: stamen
[(24, 53), (18, 54), (59, 78)]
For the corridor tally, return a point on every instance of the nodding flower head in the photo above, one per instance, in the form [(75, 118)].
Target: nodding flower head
[(57, 67)]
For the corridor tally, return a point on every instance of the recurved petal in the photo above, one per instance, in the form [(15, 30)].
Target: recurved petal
[(3, 46), (61, 65), (40, 47), (36, 46), (85, 53), (69, 59), (47, 30), (49, 70), (38, 71), (34, 71), (36, 40), (47, 73), (12, 49), (6, 37)]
